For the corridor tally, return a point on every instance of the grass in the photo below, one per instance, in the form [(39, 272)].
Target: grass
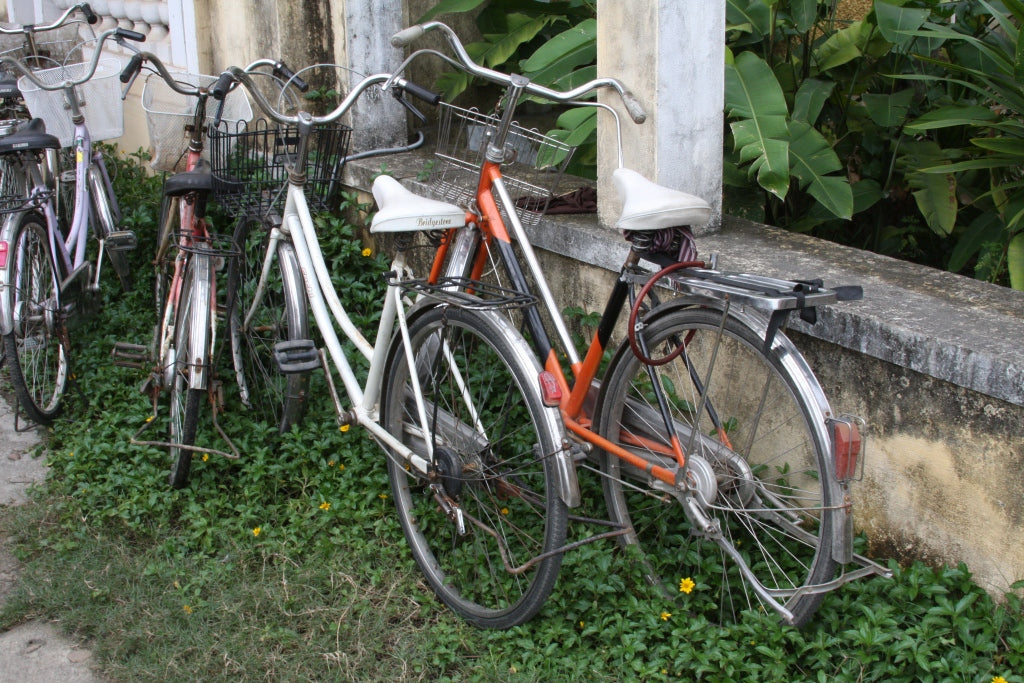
[(288, 564)]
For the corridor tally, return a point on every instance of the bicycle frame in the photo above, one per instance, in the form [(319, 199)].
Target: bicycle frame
[(68, 253), (329, 313)]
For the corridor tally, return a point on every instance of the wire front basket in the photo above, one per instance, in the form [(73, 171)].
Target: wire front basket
[(99, 99), (250, 166), (170, 116), (533, 166)]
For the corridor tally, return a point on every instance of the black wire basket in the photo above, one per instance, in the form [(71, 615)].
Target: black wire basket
[(250, 166)]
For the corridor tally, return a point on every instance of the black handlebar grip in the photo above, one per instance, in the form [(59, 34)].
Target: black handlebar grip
[(289, 76), (130, 35), (421, 93), (221, 88), (90, 16), (132, 68)]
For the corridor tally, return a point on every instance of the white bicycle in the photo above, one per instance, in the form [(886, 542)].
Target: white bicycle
[(478, 462)]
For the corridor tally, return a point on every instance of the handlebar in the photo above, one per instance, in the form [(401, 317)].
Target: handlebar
[(84, 8), (235, 74), (118, 33), (466, 63)]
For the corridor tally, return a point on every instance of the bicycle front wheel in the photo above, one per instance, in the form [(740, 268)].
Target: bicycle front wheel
[(493, 471), (747, 423), (192, 321), (36, 354), (259, 320)]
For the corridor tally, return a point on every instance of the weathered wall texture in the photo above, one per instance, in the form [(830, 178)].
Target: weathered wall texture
[(944, 477)]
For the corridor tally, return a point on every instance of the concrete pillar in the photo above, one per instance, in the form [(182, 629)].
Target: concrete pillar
[(378, 120), (670, 53)]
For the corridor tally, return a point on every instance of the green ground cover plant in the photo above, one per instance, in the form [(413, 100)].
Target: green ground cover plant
[(288, 564)]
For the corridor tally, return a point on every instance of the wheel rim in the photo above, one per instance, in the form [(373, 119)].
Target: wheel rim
[(770, 504)]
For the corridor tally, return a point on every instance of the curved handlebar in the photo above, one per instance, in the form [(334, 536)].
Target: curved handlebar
[(84, 8), (465, 62), (236, 74), (119, 33)]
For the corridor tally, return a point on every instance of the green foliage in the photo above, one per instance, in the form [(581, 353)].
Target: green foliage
[(914, 129)]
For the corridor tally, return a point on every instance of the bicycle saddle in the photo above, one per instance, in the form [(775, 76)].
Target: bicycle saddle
[(199, 179), (649, 206), (31, 135), (402, 210)]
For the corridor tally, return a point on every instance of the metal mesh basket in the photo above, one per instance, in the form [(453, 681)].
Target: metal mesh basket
[(99, 98), (170, 115), (249, 166), (532, 170)]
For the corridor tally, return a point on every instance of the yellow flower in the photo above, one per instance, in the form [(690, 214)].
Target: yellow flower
[(343, 428), (504, 511), (330, 463), (256, 531), (325, 505), (686, 585), (383, 496), (367, 252), (665, 616), (582, 624), (187, 608), (150, 418), (998, 679), (206, 456), (341, 467)]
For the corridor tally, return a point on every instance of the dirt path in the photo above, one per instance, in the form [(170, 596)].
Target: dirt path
[(35, 652)]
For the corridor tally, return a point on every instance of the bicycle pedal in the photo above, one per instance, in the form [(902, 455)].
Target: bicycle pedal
[(131, 355), (121, 240), (299, 355)]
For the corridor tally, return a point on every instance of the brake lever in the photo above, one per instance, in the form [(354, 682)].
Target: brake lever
[(399, 95)]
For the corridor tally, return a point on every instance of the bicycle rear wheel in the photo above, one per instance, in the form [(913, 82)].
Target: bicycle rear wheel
[(279, 316), (755, 447), (36, 355), (192, 322), (493, 443)]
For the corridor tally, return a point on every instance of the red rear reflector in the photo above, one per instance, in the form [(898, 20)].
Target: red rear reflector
[(550, 392), (847, 447), (3, 254)]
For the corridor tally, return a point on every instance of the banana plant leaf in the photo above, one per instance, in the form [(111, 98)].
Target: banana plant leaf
[(812, 159), (753, 95)]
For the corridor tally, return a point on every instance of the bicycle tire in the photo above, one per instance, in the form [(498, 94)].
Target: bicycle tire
[(502, 479), (166, 249), (770, 502), (191, 319), (278, 398), (36, 355), (103, 212)]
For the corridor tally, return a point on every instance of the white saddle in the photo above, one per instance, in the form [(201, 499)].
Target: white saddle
[(649, 206), (404, 211)]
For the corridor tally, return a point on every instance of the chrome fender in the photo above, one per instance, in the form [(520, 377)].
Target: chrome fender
[(6, 272)]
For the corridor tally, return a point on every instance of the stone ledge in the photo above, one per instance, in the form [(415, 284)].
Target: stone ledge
[(946, 326)]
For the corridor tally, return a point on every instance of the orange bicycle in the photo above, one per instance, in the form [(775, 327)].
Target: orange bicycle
[(708, 428)]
